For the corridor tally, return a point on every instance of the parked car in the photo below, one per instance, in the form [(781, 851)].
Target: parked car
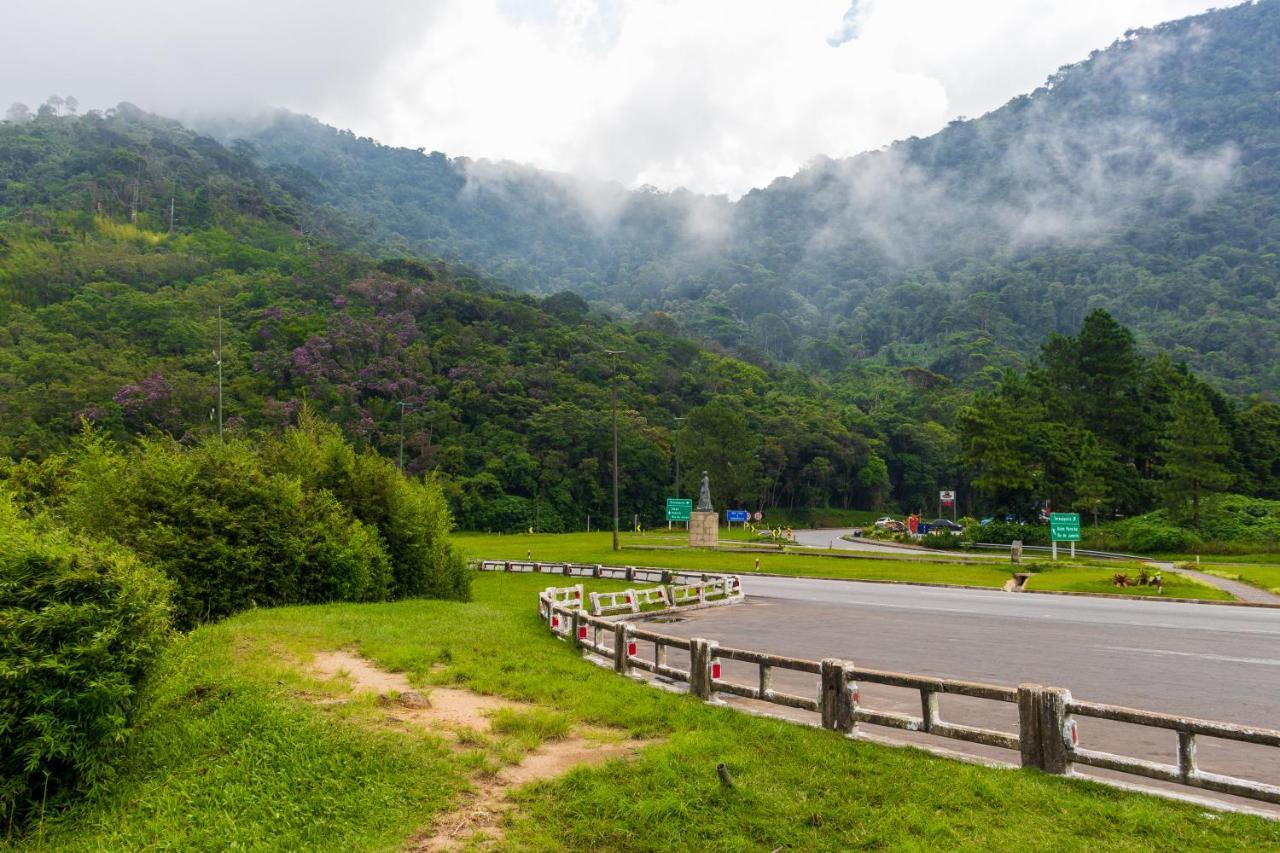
[(944, 525), (890, 524)]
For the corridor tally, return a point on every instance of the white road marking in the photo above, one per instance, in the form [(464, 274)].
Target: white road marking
[(1223, 658)]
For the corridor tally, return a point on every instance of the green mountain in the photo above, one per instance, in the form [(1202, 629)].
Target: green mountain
[(122, 235), (1144, 180)]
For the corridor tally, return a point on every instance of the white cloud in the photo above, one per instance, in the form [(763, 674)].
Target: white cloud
[(714, 95)]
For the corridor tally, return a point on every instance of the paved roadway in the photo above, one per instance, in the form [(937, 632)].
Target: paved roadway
[(1210, 661), (830, 538)]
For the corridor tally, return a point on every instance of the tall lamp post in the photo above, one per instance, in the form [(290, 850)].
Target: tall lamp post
[(402, 405), (613, 405), (676, 448)]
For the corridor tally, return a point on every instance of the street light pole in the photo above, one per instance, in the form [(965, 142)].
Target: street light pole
[(219, 373), (402, 436), (676, 448), (613, 405)]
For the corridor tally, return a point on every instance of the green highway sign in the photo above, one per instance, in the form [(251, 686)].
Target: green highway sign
[(678, 509), (1064, 526)]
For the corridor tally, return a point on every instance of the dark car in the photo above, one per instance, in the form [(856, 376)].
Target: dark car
[(944, 525)]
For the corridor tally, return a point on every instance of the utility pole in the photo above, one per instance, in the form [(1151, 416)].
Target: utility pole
[(676, 450), (219, 373), (402, 404), (613, 405)]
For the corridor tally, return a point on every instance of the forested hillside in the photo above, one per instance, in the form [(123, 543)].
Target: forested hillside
[(122, 237), (1144, 180)]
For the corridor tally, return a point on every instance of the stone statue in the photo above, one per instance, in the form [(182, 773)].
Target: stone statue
[(704, 498)]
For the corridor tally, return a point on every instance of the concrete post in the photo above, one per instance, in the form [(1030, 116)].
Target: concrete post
[(1053, 723), (1029, 740), (621, 637), (576, 621), (837, 702), (700, 654), (631, 573)]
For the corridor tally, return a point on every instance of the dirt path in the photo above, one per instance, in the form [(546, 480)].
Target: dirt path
[(448, 710)]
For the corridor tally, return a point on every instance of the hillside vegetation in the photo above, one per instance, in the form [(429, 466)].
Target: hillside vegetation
[(109, 313), (1144, 180)]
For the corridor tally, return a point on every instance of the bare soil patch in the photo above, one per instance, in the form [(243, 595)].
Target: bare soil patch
[(449, 709)]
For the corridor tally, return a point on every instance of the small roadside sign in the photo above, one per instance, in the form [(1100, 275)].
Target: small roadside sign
[(947, 497), (679, 509), (733, 515), (1064, 526), (757, 515)]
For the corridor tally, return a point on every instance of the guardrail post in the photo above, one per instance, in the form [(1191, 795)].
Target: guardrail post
[(928, 710), (700, 654), (621, 638), (1053, 725), (666, 578), (837, 701), (1030, 698), (766, 680), (595, 570), (1186, 755), (595, 603)]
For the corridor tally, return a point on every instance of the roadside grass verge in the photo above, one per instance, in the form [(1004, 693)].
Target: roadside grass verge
[(1070, 578), (1264, 576), (232, 751), (1082, 575)]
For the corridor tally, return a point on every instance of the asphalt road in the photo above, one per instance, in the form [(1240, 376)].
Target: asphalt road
[(1214, 662), (830, 538)]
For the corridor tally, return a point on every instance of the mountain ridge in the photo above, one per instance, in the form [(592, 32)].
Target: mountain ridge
[(1144, 180)]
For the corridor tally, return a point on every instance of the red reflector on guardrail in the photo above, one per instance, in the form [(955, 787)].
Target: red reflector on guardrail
[(555, 621), (577, 593), (715, 669), (855, 694), (1070, 734), (631, 648), (582, 632), (628, 599)]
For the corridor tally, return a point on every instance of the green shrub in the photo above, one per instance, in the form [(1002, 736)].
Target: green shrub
[(411, 518), (80, 623), (1003, 533), (228, 532)]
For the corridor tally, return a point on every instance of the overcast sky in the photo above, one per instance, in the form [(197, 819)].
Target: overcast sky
[(713, 95)]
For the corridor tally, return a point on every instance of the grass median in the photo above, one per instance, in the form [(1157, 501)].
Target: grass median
[(233, 751), (663, 550)]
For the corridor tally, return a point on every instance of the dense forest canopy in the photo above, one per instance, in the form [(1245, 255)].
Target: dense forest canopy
[(123, 235), (1144, 180), (806, 358)]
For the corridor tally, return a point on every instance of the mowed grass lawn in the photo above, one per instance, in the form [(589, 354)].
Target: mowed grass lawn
[(1264, 575), (1063, 575), (231, 751)]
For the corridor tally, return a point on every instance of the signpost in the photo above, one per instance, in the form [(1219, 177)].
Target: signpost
[(947, 498), (738, 515), (757, 515), (678, 509), (1064, 527)]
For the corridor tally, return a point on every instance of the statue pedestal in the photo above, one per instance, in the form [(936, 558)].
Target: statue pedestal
[(704, 529)]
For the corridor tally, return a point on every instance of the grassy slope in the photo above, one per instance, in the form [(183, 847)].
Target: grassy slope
[(1080, 576), (227, 755)]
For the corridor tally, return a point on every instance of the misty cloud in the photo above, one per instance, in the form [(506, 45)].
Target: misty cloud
[(713, 95)]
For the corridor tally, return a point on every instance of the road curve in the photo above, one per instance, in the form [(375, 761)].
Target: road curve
[(1213, 662), (831, 538)]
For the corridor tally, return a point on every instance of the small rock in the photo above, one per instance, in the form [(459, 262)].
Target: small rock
[(414, 699)]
